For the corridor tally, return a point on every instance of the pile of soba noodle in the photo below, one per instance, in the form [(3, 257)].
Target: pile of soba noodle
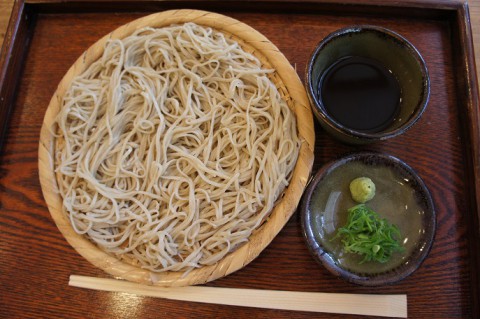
[(172, 148)]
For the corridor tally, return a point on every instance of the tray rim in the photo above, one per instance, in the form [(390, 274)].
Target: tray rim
[(455, 11)]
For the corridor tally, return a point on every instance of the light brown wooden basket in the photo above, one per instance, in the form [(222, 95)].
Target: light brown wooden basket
[(290, 87)]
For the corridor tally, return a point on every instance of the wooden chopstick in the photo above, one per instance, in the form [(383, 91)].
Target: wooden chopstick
[(359, 304)]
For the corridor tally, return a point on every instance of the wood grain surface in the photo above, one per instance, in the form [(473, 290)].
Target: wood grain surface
[(36, 261)]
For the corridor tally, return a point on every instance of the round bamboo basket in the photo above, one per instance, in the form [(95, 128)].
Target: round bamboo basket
[(289, 85)]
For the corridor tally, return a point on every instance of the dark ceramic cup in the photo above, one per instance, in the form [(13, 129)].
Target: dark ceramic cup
[(401, 198), (392, 51)]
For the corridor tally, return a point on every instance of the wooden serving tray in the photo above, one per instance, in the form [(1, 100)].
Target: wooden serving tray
[(46, 37)]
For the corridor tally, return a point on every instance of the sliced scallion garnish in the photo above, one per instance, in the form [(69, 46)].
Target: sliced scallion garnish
[(366, 234)]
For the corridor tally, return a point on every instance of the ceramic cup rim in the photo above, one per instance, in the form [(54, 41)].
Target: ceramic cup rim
[(367, 136)]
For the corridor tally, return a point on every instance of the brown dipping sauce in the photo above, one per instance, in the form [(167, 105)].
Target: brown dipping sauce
[(360, 93)]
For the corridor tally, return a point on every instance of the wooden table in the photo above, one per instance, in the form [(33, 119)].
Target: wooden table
[(36, 261)]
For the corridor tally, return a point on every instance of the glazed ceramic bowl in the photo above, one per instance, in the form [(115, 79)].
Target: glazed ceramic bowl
[(401, 198), (394, 53)]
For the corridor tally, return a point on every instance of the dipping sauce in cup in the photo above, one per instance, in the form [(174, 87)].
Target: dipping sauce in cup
[(360, 93), (366, 84)]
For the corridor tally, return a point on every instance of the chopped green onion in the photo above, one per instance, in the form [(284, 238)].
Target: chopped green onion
[(369, 235)]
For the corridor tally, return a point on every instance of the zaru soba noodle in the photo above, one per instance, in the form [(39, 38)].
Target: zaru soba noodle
[(173, 147)]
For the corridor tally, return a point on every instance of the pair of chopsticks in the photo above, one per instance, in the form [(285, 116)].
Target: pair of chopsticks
[(359, 304)]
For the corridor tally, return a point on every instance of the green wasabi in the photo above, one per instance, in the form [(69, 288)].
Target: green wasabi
[(362, 189)]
